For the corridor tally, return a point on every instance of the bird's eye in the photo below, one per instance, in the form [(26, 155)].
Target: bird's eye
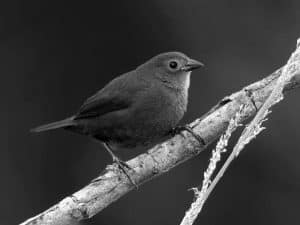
[(173, 65)]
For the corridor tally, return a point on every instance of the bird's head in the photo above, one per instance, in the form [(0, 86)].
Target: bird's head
[(172, 68)]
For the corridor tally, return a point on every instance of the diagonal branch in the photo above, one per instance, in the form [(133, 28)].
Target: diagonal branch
[(112, 184), (292, 68)]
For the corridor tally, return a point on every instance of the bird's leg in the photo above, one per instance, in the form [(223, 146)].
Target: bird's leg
[(122, 165), (179, 129), (115, 158)]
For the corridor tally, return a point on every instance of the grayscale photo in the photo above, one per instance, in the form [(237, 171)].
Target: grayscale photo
[(157, 112)]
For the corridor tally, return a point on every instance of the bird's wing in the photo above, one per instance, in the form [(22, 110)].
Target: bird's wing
[(98, 105), (119, 94)]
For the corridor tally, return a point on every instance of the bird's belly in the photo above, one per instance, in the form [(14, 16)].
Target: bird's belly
[(141, 131)]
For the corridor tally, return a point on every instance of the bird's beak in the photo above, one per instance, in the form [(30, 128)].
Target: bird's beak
[(192, 64)]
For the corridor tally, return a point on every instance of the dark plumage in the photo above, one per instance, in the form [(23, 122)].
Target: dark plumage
[(138, 108)]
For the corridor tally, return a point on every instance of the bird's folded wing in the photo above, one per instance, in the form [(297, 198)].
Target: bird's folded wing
[(98, 105), (117, 95)]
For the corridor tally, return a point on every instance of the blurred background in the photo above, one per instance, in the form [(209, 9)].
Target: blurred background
[(54, 54)]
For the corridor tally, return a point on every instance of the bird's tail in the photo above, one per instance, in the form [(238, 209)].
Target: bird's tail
[(55, 125)]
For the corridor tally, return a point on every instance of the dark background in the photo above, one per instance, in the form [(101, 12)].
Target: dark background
[(54, 54)]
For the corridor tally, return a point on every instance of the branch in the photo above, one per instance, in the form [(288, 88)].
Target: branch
[(112, 184), (202, 194), (291, 69)]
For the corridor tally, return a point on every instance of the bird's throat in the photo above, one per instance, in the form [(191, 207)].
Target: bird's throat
[(186, 83)]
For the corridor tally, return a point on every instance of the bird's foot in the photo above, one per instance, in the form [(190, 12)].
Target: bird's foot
[(250, 95), (179, 129), (124, 167), (121, 164)]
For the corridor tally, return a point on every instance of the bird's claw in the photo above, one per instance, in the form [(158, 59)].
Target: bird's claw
[(121, 163), (250, 96), (179, 129), (124, 167)]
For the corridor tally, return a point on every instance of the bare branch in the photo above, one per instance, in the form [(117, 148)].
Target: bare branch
[(291, 69), (112, 184)]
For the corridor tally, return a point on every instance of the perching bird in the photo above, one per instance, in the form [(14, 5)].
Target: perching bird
[(138, 108)]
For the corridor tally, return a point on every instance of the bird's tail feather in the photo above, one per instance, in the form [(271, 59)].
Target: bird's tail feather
[(55, 125)]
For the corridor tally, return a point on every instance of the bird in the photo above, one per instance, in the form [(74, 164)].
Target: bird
[(138, 109)]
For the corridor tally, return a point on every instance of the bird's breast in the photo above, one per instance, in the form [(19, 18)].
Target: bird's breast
[(151, 118)]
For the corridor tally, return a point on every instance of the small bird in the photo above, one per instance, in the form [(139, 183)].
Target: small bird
[(137, 109)]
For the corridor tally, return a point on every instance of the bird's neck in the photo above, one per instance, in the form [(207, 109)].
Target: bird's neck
[(181, 84)]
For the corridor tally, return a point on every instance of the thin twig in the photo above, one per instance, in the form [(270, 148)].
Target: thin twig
[(197, 205), (290, 70)]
